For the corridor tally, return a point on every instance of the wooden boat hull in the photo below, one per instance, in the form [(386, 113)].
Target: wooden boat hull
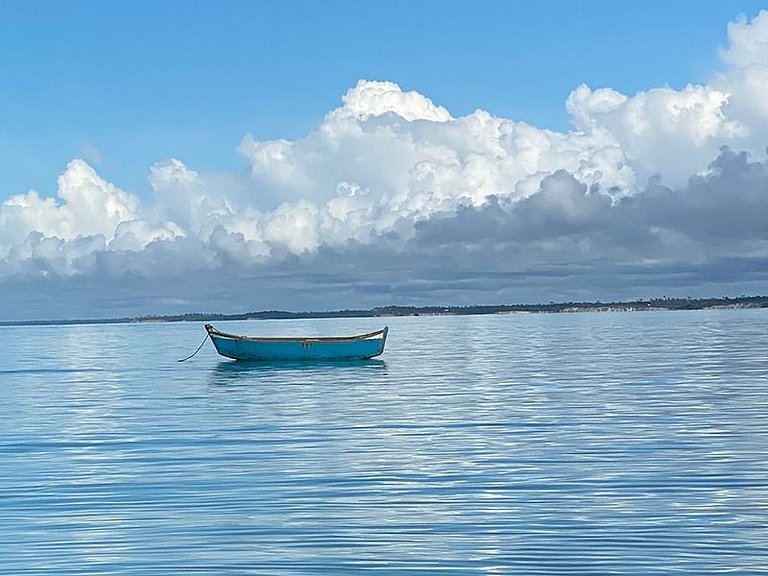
[(358, 347)]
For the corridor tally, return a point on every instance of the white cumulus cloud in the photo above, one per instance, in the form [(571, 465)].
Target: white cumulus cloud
[(369, 99), (746, 77)]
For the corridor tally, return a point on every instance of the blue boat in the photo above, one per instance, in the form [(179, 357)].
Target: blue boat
[(360, 347)]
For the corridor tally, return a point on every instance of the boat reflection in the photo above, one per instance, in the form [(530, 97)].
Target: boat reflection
[(243, 372)]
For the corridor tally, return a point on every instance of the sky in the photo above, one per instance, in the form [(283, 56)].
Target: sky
[(200, 156)]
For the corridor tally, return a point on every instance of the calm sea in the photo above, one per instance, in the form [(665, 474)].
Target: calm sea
[(602, 443)]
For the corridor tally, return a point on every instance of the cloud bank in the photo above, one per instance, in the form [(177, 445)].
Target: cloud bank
[(391, 199)]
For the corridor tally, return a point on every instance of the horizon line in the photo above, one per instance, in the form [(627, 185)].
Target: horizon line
[(651, 304)]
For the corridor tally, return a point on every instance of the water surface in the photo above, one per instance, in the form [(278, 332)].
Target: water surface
[(626, 443)]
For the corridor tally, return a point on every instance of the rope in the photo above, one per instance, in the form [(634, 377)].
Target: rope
[(196, 351)]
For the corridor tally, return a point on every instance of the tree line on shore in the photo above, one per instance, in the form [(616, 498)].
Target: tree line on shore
[(552, 307)]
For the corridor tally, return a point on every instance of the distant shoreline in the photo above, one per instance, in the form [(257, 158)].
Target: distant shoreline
[(655, 304)]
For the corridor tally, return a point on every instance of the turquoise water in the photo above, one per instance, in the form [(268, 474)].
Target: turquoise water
[(626, 443)]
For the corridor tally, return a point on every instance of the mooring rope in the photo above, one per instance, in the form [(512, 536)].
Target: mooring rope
[(196, 351)]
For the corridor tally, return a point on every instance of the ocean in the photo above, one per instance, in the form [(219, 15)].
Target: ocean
[(589, 443)]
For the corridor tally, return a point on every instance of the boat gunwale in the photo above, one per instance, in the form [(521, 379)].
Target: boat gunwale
[(376, 334)]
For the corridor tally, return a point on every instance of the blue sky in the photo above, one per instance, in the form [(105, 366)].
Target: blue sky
[(137, 82), (177, 156)]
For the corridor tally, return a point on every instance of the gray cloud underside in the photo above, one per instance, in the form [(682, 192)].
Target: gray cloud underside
[(563, 243)]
